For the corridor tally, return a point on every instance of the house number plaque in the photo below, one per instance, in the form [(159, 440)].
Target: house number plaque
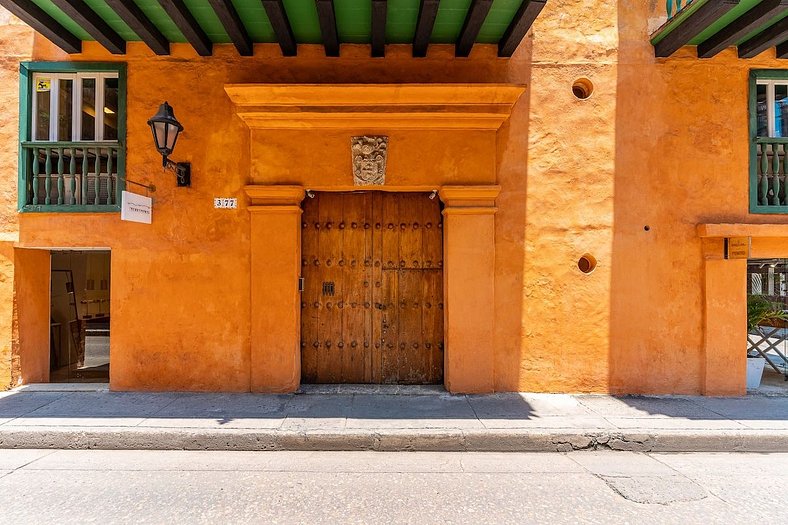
[(224, 203)]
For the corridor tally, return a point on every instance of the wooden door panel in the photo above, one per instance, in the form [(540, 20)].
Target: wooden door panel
[(355, 287), (387, 213), (377, 336), (329, 363), (310, 296), (372, 306), (432, 312)]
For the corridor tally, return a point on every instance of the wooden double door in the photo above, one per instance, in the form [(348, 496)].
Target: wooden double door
[(372, 299)]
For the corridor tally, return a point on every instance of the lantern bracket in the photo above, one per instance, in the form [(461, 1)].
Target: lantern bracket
[(182, 170)]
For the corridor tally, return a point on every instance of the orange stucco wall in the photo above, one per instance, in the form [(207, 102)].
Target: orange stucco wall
[(31, 316), (660, 143)]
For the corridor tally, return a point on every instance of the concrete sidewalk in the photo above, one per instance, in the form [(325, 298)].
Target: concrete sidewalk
[(351, 417)]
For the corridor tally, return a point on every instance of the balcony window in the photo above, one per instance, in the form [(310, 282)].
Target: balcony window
[(72, 129)]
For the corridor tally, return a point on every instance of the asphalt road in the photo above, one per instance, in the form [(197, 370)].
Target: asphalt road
[(172, 487)]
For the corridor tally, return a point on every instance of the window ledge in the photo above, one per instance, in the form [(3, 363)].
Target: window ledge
[(722, 230)]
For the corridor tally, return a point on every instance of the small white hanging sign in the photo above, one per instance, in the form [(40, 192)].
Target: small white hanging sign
[(136, 208), (225, 203)]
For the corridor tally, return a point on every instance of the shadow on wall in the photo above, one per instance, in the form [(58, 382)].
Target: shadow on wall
[(510, 228)]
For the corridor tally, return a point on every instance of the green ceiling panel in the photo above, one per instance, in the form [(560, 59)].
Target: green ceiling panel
[(498, 19), (448, 23), (112, 19), (303, 20), (209, 22), (158, 16), (255, 20), (401, 19), (354, 20)]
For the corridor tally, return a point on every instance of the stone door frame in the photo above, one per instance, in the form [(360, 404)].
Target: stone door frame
[(477, 110), (469, 288)]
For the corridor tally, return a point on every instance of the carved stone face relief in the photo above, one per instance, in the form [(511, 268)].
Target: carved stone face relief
[(369, 160)]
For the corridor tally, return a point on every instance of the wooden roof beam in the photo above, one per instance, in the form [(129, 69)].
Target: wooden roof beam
[(141, 25), (93, 24), (470, 29), (232, 23), (767, 38), (39, 20), (185, 21), (379, 8), (521, 23), (428, 10), (328, 26), (741, 27), (284, 33), (698, 21)]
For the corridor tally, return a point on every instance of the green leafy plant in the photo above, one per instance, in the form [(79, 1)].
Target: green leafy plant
[(760, 311)]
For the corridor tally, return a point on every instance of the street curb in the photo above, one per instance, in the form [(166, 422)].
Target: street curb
[(392, 440)]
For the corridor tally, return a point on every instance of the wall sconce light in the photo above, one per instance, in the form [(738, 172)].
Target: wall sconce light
[(166, 128)]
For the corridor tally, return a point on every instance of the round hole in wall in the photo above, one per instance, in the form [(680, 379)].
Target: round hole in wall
[(587, 263), (647, 228), (582, 88)]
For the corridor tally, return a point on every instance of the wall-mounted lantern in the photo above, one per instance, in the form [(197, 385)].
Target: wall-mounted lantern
[(166, 128)]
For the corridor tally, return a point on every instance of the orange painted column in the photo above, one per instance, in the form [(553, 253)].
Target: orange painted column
[(32, 278), (6, 313), (725, 327), (469, 287), (275, 303)]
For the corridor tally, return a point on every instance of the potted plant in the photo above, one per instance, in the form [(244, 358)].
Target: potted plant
[(760, 311)]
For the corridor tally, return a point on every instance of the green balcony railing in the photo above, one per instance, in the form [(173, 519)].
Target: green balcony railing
[(71, 176), (770, 173), (674, 6)]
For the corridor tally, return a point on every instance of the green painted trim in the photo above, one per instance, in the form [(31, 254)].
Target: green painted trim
[(768, 74), (669, 26), (74, 67), (755, 75), (752, 108), (81, 208), (25, 88), (25, 108), (122, 116)]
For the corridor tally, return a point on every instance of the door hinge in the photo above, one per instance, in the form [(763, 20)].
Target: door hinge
[(300, 284)]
